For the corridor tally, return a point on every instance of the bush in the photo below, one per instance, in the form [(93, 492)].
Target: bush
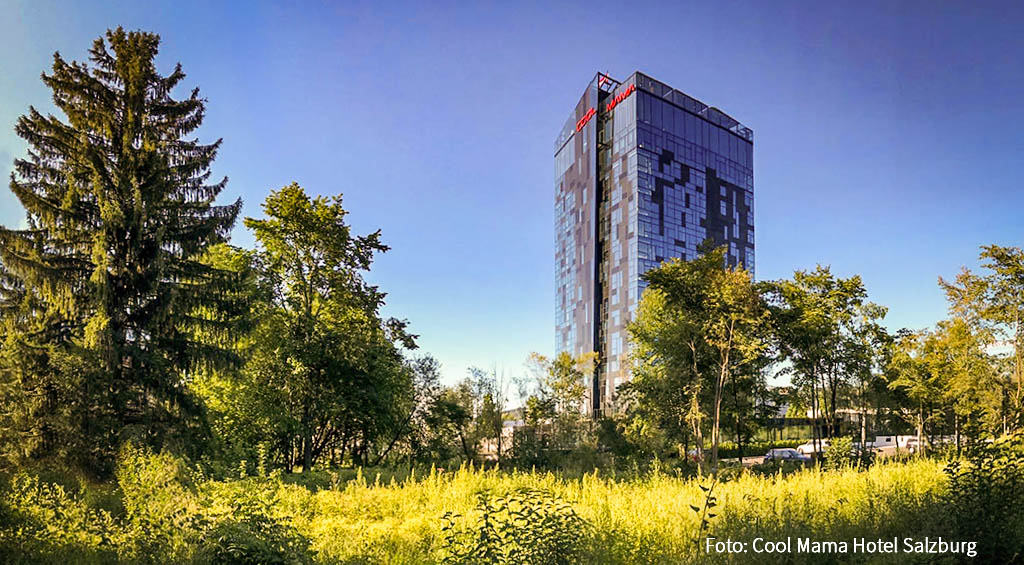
[(526, 526), (43, 522), (842, 454), (986, 494), (162, 519), (250, 535)]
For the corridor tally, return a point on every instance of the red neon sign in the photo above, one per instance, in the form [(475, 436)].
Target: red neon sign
[(586, 118), (620, 97)]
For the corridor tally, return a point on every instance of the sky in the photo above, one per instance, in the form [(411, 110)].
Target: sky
[(887, 135)]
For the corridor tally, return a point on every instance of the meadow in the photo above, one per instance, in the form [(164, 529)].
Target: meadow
[(162, 510)]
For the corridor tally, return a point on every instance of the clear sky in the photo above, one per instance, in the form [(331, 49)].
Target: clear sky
[(888, 135)]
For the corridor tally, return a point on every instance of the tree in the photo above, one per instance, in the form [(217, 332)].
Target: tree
[(562, 379), (107, 273), (327, 350), (490, 395), (909, 370), (956, 355), (818, 318), (995, 302), (864, 349), (445, 433), (426, 373), (242, 415), (553, 412), (667, 391), (705, 317)]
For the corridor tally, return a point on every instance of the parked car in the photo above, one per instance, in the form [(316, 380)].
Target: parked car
[(786, 454), (808, 448)]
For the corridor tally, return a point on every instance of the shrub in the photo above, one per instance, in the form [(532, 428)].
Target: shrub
[(841, 453), (986, 494), (250, 535), (162, 520), (43, 522), (525, 526)]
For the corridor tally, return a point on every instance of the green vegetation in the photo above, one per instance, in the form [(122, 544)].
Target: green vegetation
[(104, 296), (166, 397), (164, 510)]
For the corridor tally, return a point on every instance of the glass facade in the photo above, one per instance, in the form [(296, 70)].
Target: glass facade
[(648, 176)]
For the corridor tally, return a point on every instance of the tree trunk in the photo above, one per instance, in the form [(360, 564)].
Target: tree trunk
[(695, 408), (825, 412), (465, 447), (815, 436), (307, 448), (864, 428), (736, 408), (834, 385), (716, 424), (920, 430), (1017, 364), (700, 443), (956, 432)]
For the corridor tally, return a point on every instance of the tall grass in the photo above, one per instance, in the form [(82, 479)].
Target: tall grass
[(646, 519), (367, 519)]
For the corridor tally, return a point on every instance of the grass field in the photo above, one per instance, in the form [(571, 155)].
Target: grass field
[(161, 508), (648, 520)]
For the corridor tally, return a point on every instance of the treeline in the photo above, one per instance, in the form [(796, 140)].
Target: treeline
[(707, 338), (127, 316)]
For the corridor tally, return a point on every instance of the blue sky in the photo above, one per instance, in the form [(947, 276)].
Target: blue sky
[(888, 135)]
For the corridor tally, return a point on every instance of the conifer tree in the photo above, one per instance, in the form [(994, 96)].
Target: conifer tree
[(107, 270)]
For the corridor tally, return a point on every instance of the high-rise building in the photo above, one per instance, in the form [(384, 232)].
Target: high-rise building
[(643, 173)]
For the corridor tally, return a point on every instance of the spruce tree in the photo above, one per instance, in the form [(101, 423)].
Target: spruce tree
[(105, 284)]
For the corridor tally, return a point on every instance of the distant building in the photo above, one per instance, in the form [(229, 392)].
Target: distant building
[(643, 173)]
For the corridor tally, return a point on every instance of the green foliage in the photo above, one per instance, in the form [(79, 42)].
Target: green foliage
[(43, 522), (986, 494), (992, 305), (107, 273), (947, 374), (324, 377), (161, 510), (832, 337), (447, 432), (841, 453), (525, 526), (243, 529), (555, 429), (699, 327), (168, 513)]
